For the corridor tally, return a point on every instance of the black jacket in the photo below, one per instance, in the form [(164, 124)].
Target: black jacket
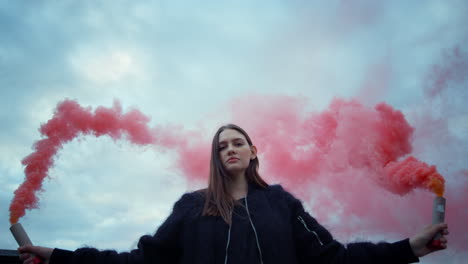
[(284, 233)]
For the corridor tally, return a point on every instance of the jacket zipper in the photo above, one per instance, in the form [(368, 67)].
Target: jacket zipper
[(307, 228), (227, 244), (255, 231)]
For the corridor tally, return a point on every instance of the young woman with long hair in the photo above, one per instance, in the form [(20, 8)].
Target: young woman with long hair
[(239, 218)]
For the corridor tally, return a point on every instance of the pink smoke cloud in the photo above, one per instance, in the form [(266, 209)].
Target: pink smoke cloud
[(71, 120), (348, 161)]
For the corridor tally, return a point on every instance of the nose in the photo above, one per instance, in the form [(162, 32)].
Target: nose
[(230, 149)]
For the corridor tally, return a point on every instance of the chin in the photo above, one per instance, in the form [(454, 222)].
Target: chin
[(235, 169)]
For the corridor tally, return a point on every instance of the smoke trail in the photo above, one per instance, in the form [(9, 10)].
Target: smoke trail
[(346, 135), (453, 68), (71, 120), (441, 131), (337, 160), (340, 161)]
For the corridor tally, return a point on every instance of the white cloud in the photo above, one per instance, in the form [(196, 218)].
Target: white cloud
[(105, 65), (458, 125)]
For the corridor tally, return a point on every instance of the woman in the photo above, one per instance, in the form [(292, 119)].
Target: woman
[(239, 218)]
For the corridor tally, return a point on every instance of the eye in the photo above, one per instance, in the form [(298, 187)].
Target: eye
[(221, 148), (238, 144)]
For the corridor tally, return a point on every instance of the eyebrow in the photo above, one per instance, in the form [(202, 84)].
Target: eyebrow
[(234, 139)]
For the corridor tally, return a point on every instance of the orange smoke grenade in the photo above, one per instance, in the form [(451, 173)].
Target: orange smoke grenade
[(23, 239)]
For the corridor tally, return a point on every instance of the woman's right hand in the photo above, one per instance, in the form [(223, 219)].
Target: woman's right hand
[(29, 254)]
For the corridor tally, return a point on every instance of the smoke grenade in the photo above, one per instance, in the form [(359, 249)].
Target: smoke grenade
[(22, 238), (438, 215)]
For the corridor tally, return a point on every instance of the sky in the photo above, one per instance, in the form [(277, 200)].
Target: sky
[(280, 69)]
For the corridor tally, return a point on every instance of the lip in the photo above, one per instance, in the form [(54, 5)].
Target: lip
[(232, 160)]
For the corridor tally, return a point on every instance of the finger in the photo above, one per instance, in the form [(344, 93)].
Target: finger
[(434, 229), (21, 249), (29, 261), (442, 226), (24, 249), (24, 256)]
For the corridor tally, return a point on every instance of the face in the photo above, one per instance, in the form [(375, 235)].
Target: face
[(235, 152)]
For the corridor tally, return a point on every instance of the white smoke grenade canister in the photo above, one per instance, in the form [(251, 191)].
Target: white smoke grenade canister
[(20, 235), (438, 213), (23, 239)]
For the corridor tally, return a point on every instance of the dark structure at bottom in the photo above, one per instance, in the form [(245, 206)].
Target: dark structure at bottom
[(9, 257)]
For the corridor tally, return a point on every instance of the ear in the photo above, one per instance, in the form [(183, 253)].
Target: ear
[(253, 150)]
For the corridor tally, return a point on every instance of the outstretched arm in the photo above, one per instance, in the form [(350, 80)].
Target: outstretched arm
[(161, 247), (315, 243)]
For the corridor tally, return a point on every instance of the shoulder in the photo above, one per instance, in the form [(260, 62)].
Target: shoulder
[(191, 199), (279, 193), (188, 204)]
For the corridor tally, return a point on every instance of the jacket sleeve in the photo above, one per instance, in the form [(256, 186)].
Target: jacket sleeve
[(163, 247), (314, 244)]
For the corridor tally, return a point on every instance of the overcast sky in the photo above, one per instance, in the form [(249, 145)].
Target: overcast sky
[(187, 63)]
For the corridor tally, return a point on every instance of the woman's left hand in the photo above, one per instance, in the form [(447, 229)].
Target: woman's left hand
[(422, 243)]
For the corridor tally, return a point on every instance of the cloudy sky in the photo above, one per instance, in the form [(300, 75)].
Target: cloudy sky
[(197, 66)]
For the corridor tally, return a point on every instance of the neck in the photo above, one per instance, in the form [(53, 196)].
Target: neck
[(238, 187)]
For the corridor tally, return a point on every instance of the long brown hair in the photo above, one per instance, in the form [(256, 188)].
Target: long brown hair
[(218, 201)]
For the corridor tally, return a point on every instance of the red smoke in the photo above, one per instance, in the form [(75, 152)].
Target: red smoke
[(338, 160), (345, 136), (71, 120), (441, 133)]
